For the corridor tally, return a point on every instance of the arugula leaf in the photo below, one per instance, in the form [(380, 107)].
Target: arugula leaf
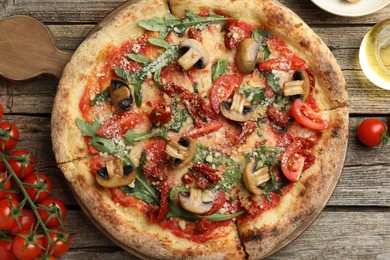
[(179, 116), (271, 80), (174, 24), (159, 42), (131, 137), (142, 188), (101, 143), (260, 34), (101, 97), (255, 94), (218, 69), (135, 79), (138, 58)]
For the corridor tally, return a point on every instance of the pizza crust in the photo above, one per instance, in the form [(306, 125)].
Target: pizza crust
[(132, 229)]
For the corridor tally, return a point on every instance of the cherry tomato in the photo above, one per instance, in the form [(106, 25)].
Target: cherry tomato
[(50, 215), (161, 114), (61, 242), (306, 116), (6, 252), (27, 246), (38, 183), (372, 131), (4, 185), (27, 222), (236, 31), (292, 162), (1, 111), (7, 221), (222, 88), (17, 166), (219, 201), (11, 195), (8, 134), (119, 124)]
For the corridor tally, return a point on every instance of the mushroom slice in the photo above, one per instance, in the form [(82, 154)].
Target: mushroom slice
[(236, 110), (114, 174), (121, 95), (193, 54), (197, 201), (299, 85), (182, 152), (246, 56), (254, 179)]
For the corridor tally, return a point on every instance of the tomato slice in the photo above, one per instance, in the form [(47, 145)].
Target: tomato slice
[(222, 88), (292, 162), (284, 63), (119, 124), (307, 117)]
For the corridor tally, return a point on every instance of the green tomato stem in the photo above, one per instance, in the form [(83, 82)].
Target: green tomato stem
[(27, 197)]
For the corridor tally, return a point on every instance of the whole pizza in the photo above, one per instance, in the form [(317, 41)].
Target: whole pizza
[(202, 129)]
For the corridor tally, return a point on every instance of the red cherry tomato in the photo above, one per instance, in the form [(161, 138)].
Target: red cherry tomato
[(222, 88), (8, 134), (50, 209), (219, 201), (7, 221), (61, 242), (292, 162), (17, 166), (27, 222), (372, 131), (161, 114), (1, 111), (27, 246), (38, 183), (6, 252), (5, 186), (306, 116)]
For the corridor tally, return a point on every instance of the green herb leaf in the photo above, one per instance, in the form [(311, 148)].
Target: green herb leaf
[(101, 143), (260, 34), (87, 129), (254, 94), (177, 25), (101, 97), (218, 69), (159, 42), (179, 116), (272, 81), (142, 188), (121, 73), (138, 58), (131, 137)]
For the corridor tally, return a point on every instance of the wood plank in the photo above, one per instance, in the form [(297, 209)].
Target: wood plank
[(92, 11), (335, 234)]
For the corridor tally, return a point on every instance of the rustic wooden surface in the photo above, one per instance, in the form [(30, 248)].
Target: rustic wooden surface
[(356, 222)]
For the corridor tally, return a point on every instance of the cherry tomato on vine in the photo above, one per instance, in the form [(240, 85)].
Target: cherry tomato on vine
[(306, 116), (25, 167), (372, 132), (6, 252), (7, 221), (27, 222), (27, 245), (5, 185), (50, 209), (61, 242), (38, 186), (8, 136)]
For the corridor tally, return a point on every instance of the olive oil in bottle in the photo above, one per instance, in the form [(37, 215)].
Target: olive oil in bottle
[(374, 55)]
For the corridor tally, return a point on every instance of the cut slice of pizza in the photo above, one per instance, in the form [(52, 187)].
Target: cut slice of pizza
[(132, 223)]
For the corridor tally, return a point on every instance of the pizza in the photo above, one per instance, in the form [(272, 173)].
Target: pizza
[(202, 129)]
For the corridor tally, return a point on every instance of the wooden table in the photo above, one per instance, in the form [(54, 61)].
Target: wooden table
[(356, 222)]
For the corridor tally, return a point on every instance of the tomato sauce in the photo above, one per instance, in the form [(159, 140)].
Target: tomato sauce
[(191, 232), (127, 201)]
